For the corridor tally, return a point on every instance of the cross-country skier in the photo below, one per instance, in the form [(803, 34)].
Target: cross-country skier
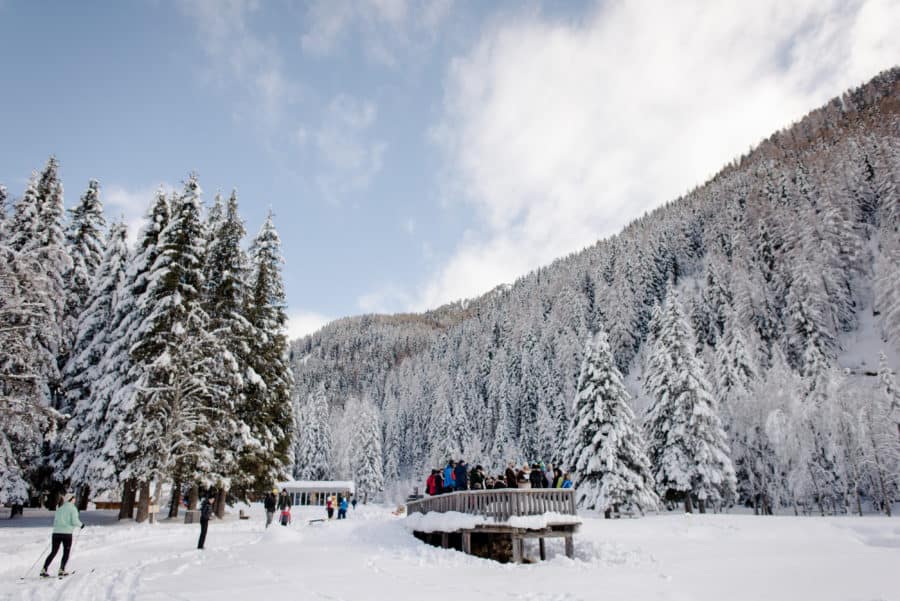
[(65, 520)]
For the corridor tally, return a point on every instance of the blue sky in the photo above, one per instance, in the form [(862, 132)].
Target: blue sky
[(416, 152)]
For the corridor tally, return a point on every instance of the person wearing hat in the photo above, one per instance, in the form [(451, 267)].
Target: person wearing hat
[(270, 505), (65, 521)]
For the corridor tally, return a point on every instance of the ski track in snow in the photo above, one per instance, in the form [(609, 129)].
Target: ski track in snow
[(372, 555)]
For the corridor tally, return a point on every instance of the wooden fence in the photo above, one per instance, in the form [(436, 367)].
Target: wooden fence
[(501, 504)]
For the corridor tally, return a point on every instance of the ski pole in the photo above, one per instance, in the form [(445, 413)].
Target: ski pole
[(44, 552)]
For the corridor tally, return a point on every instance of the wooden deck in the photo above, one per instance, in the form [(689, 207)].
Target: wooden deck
[(499, 539)]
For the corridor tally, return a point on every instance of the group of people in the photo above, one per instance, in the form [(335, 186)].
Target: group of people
[(283, 503), (456, 475), (341, 503)]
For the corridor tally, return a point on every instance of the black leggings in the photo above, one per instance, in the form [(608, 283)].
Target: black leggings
[(59, 539)]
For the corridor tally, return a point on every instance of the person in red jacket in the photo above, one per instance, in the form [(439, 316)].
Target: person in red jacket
[(434, 485)]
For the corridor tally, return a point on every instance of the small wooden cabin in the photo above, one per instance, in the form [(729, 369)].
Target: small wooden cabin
[(315, 492)]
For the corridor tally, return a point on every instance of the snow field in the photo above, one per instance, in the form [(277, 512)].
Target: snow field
[(372, 555)]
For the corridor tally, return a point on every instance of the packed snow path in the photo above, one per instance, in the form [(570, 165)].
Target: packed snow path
[(372, 555)]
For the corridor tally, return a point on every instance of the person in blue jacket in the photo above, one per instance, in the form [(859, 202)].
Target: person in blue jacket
[(449, 477), (567, 481), (342, 509), (65, 521)]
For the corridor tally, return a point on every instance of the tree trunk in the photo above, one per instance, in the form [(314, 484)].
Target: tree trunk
[(126, 509), (143, 510), (84, 495), (220, 502), (193, 497), (175, 503), (701, 505), (687, 503)]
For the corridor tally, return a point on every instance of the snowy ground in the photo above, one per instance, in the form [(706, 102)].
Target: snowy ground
[(373, 556)]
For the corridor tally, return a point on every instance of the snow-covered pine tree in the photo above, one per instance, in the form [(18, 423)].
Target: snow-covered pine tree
[(225, 302), (604, 447), (313, 446), (22, 225), (736, 375), (686, 442), (267, 402), (84, 240), (818, 430), (94, 463), (880, 435), (25, 418), (83, 369), (37, 250), (38, 228), (180, 370), (4, 211), (891, 393), (735, 368), (365, 449)]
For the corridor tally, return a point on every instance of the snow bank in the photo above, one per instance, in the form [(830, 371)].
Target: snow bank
[(449, 521), (372, 555), (543, 520)]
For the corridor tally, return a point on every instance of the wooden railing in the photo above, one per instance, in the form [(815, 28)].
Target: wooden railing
[(501, 504)]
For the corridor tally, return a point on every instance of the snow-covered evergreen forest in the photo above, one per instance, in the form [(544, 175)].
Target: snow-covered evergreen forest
[(743, 342), (123, 369)]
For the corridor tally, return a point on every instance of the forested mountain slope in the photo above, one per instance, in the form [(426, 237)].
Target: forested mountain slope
[(779, 258)]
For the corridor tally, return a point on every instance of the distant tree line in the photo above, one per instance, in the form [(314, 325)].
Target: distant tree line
[(747, 316)]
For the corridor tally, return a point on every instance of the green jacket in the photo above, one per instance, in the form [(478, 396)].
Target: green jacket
[(65, 520)]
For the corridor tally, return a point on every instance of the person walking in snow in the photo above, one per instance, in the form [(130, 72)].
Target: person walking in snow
[(342, 508), (284, 499), (329, 507), (206, 509), (353, 502), (270, 505), (65, 521)]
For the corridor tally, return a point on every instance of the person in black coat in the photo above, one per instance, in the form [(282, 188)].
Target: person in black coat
[(511, 480), (271, 506), (284, 500), (476, 478), (206, 509), (461, 473), (536, 476)]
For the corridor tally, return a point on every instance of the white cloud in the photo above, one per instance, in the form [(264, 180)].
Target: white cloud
[(558, 133), (351, 155), (301, 323), (389, 31), (385, 299), (242, 60)]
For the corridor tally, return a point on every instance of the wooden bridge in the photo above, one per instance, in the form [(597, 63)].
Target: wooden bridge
[(506, 526)]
